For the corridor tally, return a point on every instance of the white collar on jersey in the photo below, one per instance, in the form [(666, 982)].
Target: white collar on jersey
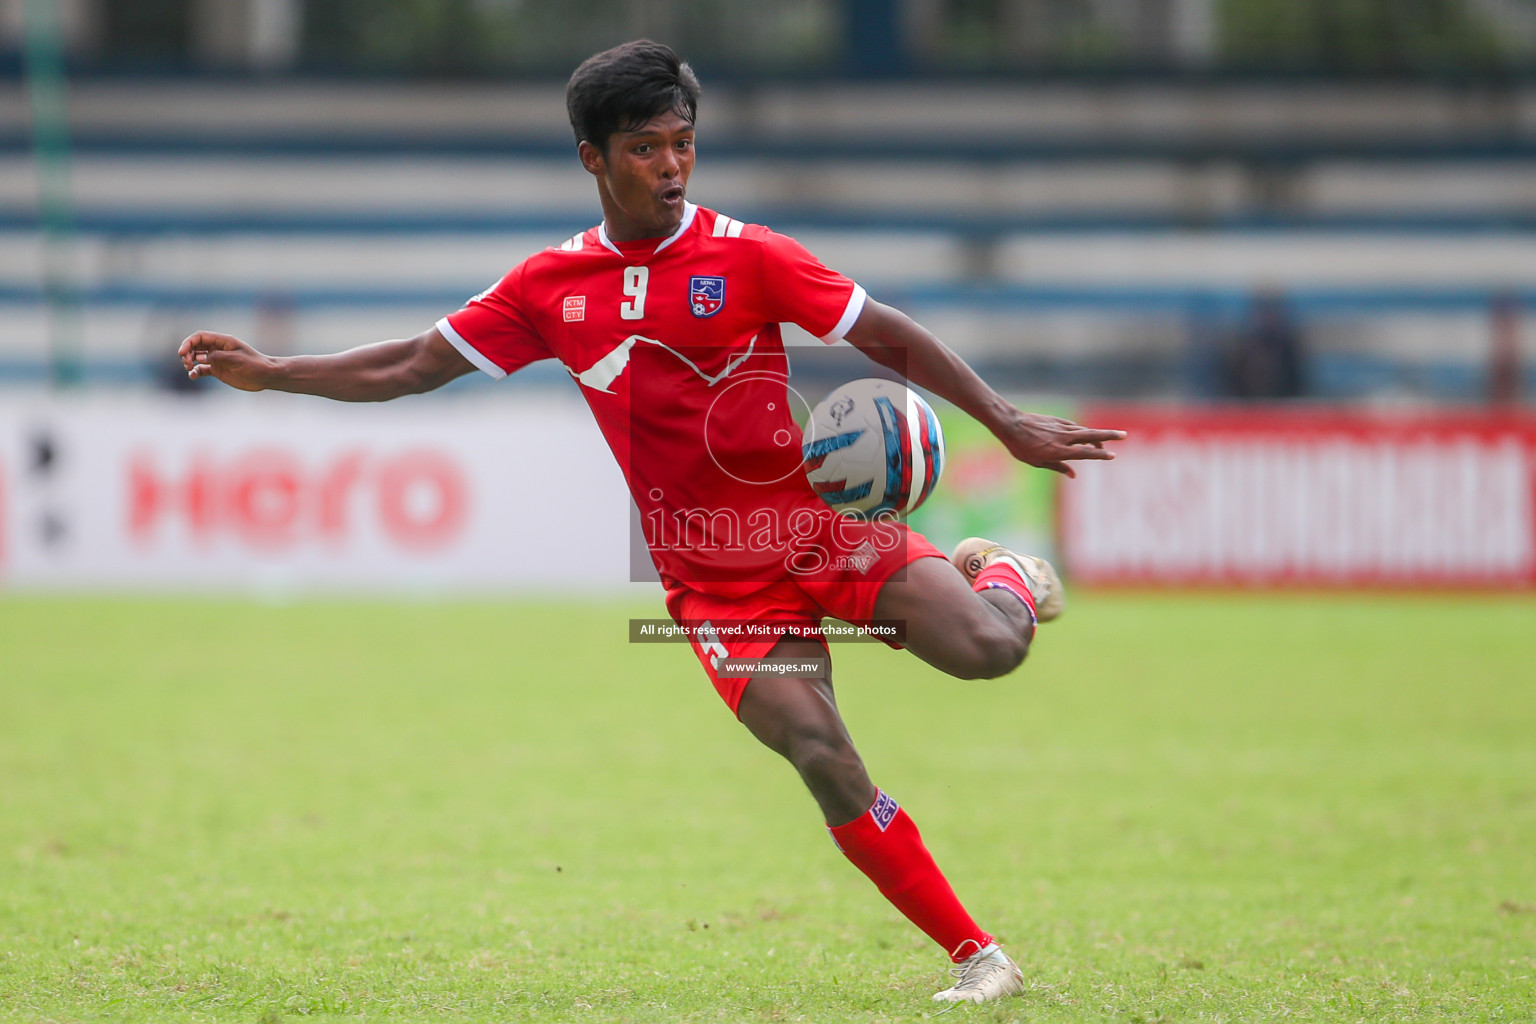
[(689, 211)]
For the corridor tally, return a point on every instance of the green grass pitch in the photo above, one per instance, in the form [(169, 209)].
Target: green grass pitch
[(1184, 807)]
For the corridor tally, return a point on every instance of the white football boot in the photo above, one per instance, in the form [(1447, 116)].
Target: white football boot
[(983, 977), (976, 553)]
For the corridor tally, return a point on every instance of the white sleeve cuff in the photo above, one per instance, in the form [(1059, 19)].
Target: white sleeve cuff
[(469, 351), (851, 314)]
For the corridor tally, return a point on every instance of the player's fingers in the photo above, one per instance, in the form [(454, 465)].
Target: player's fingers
[(1087, 452), (194, 341), (211, 341), (1091, 435), (1058, 467)]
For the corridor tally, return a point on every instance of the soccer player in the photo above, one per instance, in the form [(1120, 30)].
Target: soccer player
[(667, 316)]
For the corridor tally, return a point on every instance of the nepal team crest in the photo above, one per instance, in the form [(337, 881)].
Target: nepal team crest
[(706, 295)]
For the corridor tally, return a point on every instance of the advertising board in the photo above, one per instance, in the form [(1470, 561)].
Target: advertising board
[(276, 493), (1306, 497)]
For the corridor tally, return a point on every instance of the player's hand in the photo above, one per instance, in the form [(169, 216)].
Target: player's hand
[(1050, 442), (206, 354)]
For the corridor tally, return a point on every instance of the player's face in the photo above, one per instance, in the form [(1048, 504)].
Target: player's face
[(643, 177)]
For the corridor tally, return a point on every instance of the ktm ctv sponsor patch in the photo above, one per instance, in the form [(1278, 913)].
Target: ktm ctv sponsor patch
[(575, 308), (884, 810)]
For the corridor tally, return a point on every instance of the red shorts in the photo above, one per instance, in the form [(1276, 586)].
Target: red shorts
[(841, 590)]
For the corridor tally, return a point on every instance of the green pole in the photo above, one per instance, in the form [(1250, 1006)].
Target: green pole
[(48, 99)]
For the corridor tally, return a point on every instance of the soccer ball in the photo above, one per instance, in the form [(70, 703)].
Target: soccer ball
[(873, 446)]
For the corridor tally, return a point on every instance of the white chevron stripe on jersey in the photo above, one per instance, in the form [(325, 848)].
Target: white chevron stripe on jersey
[(601, 374), (727, 227), (572, 244)]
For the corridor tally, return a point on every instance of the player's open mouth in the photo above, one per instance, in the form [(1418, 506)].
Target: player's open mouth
[(672, 196)]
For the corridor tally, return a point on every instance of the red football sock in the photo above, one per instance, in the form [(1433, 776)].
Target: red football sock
[(1002, 576), (885, 845)]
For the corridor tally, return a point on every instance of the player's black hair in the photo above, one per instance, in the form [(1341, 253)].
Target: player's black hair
[(620, 89)]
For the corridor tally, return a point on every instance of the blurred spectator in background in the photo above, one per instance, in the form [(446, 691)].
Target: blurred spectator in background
[(1504, 360), (1265, 357), (1204, 364)]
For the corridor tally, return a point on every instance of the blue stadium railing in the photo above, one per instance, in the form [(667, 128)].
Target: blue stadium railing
[(1334, 374)]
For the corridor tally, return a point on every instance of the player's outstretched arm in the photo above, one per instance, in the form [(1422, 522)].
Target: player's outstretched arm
[(371, 373), (896, 341)]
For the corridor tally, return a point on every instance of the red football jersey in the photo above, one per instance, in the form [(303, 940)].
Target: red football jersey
[(676, 347)]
